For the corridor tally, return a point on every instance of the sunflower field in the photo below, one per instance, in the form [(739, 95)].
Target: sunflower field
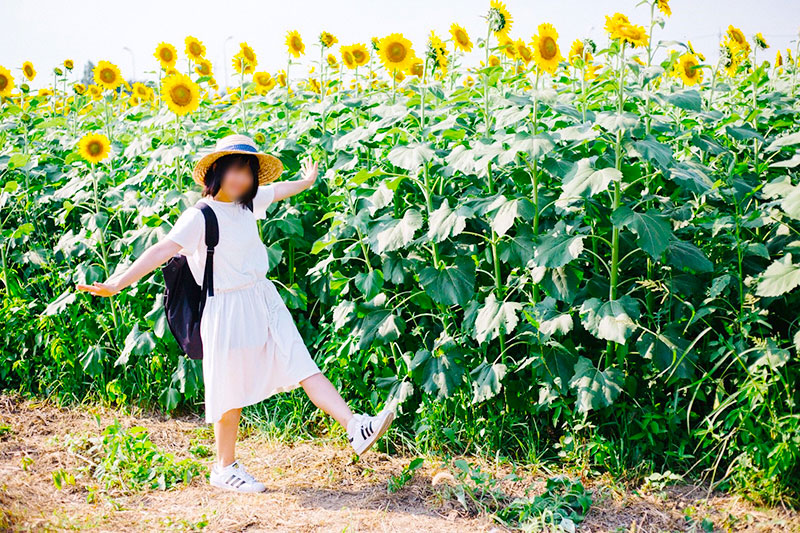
[(588, 252)]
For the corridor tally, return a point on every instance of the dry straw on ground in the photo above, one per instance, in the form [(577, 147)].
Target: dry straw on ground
[(311, 486)]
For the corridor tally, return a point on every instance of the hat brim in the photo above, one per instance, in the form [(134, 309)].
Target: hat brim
[(269, 166)]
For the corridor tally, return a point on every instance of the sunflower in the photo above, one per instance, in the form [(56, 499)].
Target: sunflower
[(332, 61), (437, 52), (140, 90), (264, 82), (789, 58), (494, 60), (241, 65), (578, 51), (375, 42), (761, 43), (203, 67), (460, 38), (688, 69), (499, 18), (166, 55), (778, 59), (468, 81), (613, 23), (313, 85), (737, 38), (347, 57), (6, 82), (700, 56), (395, 52), (591, 72), (523, 52), (545, 48), (399, 76), (295, 44), (69, 64), (95, 92), (327, 39), (360, 54), (663, 6), (507, 46), (181, 94), (281, 78), (107, 75), (79, 88), (632, 34), (195, 48), (417, 67), (248, 53), (28, 70), (94, 147)]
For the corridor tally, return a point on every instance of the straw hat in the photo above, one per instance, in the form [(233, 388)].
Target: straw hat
[(269, 167)]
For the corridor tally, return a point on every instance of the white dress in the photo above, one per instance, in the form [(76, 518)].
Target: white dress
[(251, 346)]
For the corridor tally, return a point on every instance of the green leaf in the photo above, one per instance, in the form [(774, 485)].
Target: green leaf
[(652, 229), (557, 250), (92, 360), (59, 304), (668, 352), (612, 320), (786, 140), (686, 256), (654, 151), (486, 383), (445, 222), (380, 324), (442, 375), (504, 217), (595, 389), (692, 176), (369, 283), (451, 284), (411, 156), (392, 233), (136, 343), (688, 99), (582, 180), (494, 317), (781, 277)]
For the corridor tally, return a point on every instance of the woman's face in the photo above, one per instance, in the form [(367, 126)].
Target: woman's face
[(237, 181)]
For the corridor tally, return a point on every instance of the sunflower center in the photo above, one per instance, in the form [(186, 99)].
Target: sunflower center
[(107, 75), (396, 52), (166, 55), (181, 95), (358, 55), (689, 69), (462, 38), (548, 48), (297, 44), (95, 148), (28, 71), (3, 82), (195, 48)]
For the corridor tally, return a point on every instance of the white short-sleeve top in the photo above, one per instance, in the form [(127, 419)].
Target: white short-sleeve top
[(240, 257)]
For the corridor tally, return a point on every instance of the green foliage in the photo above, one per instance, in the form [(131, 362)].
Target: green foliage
[(126, 460), (397, 482)]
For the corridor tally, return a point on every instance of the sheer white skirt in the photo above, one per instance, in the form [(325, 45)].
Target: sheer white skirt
[(251, 348)]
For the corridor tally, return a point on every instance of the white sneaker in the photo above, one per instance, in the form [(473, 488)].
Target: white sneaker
[(235, 477), (363, 430)]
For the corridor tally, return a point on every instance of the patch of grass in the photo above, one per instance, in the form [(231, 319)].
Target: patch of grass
[(396, 483), (125, 459)]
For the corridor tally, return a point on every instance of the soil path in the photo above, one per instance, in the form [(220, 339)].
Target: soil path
[(311, 486)]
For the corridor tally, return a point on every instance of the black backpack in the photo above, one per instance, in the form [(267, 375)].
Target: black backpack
[(184, 300)]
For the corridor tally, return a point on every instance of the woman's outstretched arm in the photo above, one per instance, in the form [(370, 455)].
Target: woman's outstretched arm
[(285, 189), (146, 263)]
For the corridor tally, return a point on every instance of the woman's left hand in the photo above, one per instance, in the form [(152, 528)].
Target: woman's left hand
[(309, 171)]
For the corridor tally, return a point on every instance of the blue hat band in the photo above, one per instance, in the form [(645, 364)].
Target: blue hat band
[(243, 147)]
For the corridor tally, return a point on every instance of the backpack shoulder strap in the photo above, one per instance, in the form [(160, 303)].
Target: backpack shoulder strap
[(212, 239)]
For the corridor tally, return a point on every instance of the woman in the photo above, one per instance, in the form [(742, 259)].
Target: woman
[(251, 346)]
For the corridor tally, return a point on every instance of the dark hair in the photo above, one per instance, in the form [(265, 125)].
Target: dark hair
[(215, 173)]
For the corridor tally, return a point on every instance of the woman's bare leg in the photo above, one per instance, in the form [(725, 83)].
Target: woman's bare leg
[(325, 396), (225, 432)]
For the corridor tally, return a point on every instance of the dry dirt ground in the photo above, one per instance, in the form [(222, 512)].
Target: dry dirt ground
[(311, 486)]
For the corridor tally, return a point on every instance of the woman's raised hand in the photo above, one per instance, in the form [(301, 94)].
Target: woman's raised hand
[(99, 289), (309, 171)]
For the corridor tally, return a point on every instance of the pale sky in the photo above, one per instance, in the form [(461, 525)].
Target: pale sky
[(48, 31)]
